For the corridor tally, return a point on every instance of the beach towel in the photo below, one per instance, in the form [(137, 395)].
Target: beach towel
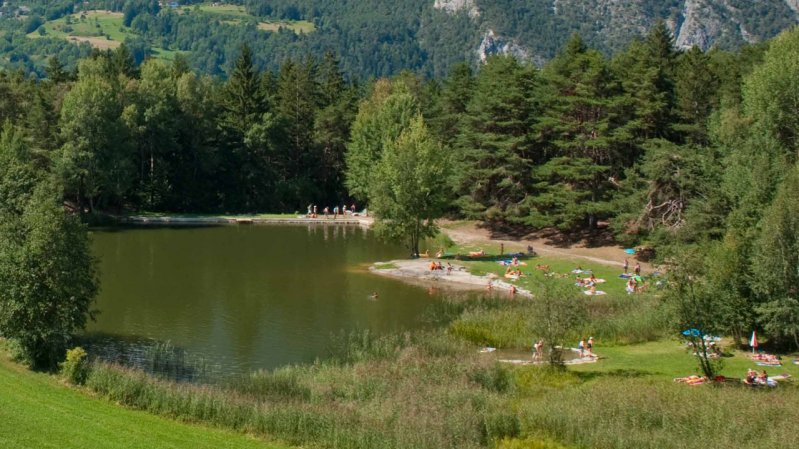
[(691, 380), (775, 364), (629, 251), (487, 349), (596, 293)]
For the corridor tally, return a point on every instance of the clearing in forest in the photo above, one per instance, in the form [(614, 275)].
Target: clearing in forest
[(237, 15)]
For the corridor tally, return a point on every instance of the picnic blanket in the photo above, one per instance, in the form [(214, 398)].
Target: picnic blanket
[(597, 293)]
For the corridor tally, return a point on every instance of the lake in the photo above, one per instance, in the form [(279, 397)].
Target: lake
[(249, 297)]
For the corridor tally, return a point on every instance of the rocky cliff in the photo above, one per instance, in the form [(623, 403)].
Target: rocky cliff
[(535, 29)]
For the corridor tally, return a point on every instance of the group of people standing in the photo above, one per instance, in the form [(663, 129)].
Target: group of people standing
[(637, 268), (312, 211)]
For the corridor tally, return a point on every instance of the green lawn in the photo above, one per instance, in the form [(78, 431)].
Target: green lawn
[(37, 412), (668, 359), (298, 26), (104, 24), (222, 10), (236, 14)]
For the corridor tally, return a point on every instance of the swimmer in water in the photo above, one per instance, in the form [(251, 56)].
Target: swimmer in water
[(374, 295)]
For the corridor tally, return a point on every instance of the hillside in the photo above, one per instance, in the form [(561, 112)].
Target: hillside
[(375, 37), (38, 412)]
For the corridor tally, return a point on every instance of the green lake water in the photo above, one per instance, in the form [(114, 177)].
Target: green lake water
[(249, 297)]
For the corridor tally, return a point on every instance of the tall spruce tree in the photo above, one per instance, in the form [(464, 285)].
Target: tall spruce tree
[(243, 106), (296, 106)]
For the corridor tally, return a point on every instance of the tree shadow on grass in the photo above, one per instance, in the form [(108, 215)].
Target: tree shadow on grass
[(586, 376), (591, 238)]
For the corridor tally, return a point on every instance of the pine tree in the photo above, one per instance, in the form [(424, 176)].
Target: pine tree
[(495, 150), (243, 108), (451, 104), (296, 105), (695, 90), (243, 100), (577, 129)]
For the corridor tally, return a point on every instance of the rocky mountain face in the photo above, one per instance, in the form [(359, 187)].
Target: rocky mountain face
[(535, 29)]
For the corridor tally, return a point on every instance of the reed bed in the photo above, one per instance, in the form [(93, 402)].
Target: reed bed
[(622, 413), (431, 389)]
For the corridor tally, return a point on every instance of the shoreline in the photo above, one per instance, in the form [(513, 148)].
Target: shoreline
[(418, 271), (140, 220)]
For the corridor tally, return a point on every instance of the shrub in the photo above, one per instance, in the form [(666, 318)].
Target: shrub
[(76, 366)]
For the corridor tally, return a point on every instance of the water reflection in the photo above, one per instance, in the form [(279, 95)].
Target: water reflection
[(249, 297)]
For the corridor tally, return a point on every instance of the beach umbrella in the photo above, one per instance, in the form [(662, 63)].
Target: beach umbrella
[(753, 342), (692, 333)]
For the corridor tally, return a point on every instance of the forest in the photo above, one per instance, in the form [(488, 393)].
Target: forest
[(691, 153)]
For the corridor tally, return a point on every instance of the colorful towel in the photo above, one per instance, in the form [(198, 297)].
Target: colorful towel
[(596, 293)]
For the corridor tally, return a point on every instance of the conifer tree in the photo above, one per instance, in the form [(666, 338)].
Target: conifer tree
[(495, 150), (451, 104), (296, 105), (577, 130), (695, 91)]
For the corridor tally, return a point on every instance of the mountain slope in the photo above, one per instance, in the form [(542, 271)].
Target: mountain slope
[(375, 38)]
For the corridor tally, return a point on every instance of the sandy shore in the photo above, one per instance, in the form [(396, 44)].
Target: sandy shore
[(418, 270)]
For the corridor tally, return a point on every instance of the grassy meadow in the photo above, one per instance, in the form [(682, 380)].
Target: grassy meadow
[(100, 29), (237, 14)]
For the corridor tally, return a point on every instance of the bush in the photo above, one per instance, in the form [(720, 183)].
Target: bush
[(76, 366)]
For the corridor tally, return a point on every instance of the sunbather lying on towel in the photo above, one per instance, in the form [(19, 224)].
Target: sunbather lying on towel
[(691, 380)]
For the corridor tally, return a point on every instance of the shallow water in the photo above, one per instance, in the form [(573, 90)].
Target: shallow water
[(249, 297)]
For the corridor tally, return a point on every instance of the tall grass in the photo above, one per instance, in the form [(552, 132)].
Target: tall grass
[(627, 320), (613, 320), (622, 413), (391, 392), (431, 389)]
